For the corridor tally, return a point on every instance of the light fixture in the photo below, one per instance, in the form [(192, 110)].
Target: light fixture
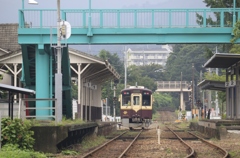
[(32, 2)]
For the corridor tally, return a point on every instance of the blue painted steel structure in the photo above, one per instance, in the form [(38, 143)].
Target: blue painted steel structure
[(37, 30), (124, 26)]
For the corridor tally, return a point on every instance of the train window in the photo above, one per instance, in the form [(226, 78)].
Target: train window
[(126, 101), (136, 100), (146, 100)]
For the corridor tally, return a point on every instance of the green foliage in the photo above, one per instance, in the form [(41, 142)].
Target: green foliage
[(69, 152), (236, 32), (144, 76), (13, 151), (92, 141), (182, 59), (221, 95), (107, 87), (17, 132), (161, 100), (235, 49), (214, 76), (113, 59)]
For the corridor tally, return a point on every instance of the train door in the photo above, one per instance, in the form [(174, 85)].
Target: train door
[(136, 100)]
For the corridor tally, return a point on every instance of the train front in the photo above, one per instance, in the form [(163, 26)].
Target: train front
[(136, 107)]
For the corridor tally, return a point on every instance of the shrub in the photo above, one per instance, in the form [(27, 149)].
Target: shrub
[(13, 151), (17, 132)]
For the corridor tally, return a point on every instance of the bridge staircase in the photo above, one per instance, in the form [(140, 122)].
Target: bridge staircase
[(29, 73)]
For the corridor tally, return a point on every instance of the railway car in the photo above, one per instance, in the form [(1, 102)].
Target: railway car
[(136, 107)]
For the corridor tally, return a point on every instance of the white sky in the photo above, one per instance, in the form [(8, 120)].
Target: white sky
[(9, 8)]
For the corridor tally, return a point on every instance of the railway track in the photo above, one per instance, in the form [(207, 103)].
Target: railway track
[(196, 146), (116, 147), (176, 141)]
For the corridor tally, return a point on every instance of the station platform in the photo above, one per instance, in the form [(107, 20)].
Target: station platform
[(52, 139), (215, 128)]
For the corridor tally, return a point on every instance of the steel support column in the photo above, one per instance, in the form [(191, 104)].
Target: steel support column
[(42, 82)]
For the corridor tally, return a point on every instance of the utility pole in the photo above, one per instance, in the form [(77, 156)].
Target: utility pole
[(181, 95), (114, 98), (192, 88), (125, 65), (58, 75), (114, 102)]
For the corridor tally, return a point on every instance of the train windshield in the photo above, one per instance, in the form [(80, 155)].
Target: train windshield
[(146, 99), (126, 100)]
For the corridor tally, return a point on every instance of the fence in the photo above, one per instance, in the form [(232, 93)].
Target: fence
[(22, 109)]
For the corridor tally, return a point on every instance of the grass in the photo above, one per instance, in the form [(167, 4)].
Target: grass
[(234, 154), (155, 116), (183, 124), (64, 122), (92, 141), (12, 151)]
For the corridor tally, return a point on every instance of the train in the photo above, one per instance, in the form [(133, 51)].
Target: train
[(136, 107)]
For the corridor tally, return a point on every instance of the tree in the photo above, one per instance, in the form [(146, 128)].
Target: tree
[(113, 59), (107, 86), (161, 100), (140, 75), (221, 95), (228, 17)]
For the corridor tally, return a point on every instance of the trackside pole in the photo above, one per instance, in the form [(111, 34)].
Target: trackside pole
[(0, 129), (158, 133)]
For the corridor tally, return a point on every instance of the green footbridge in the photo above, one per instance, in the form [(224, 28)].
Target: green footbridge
[(37, 34)]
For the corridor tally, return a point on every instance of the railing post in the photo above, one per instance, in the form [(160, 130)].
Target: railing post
[(222, 19), (84, 19), (101, 19), (89, 21), (21, 18), (118, 18), (187, 18), (204, 18), (135, 18), (152, 18), (40, 18), (170, 17), (64, 17)]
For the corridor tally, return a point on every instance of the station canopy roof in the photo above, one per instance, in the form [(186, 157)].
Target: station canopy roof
[(222, 60), (212, 85), (14, 89)]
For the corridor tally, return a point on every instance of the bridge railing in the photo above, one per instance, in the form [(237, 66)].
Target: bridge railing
[(130, 18), (173, 84)]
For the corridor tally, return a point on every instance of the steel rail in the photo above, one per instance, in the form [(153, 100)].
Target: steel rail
[(221, 150), (190, 149), (100, 147), (124, 152)]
